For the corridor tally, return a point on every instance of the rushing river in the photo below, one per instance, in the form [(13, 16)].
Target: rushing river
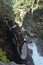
[(38, 60)]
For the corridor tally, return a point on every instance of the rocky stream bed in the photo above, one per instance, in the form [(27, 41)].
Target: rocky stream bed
[(34, 54)]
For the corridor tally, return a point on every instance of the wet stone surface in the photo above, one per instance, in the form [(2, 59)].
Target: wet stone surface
[(1, 63), (25, 55)]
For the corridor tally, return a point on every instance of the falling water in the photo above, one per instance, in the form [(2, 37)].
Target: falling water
[(38, 60)]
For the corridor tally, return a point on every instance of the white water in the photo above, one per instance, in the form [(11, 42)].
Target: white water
[(38, 60)]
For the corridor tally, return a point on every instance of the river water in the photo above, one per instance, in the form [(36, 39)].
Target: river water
[(38, 60)]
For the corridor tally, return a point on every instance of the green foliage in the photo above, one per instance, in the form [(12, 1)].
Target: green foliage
[(10, 8), (3, 57)]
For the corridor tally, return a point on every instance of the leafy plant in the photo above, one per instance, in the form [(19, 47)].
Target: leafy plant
[(3, 57)]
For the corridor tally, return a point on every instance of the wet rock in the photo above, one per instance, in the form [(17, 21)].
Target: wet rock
[(13, 63), (24, 51), (26, 55), (1, 63), (30, 51), (39, 45)]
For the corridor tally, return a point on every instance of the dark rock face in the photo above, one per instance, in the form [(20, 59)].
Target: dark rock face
[(38, 13), (39, 44), (25, 52), (13, 42), (34, 23), (13, 45), (12, 53), (38, 22), (29, 60)]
